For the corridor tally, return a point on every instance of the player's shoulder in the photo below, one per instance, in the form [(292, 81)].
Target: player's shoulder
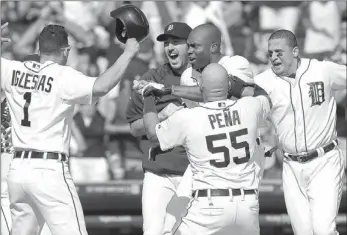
[(247, 100), (10, 63), (250, 103), (325, 65), (66, 71), (187, 72), (190, 77), (263, 79), (185, 113)]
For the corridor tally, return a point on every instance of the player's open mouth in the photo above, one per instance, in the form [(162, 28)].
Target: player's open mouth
[(173, 56), (191, 60), (277, 64)]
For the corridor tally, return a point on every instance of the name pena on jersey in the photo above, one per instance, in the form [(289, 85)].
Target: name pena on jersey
[(31, 81), (226, 119)]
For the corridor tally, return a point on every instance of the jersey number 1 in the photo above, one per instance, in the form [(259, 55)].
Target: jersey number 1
[(225, 150), (27, 98)]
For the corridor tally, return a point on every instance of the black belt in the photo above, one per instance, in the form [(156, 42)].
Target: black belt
[(40, 155), (313, 154), (222, 192)]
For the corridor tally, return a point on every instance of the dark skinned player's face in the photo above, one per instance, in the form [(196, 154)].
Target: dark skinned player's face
[(198, 51)]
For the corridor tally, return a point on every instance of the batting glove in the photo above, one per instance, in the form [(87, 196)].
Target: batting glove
[(158, 90), (146, 88)]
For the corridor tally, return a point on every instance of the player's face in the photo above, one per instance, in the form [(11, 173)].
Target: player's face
[(198, 51), (176, 51), (282, 57)]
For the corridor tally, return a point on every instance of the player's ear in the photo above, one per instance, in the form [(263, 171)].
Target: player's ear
[(214, 48), (296, 52)]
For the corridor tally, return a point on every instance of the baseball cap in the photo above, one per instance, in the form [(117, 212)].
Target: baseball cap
[(238, 66), (175, 29)]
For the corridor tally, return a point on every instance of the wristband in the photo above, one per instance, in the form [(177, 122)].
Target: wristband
[(149, 105)]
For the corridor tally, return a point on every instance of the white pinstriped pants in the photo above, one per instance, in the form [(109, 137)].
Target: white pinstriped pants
[(42, 190)]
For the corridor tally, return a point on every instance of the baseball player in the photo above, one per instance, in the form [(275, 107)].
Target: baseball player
[(41, 98), (220, 137), (204, 48), (163, 170), (304, 116), (6, 157)]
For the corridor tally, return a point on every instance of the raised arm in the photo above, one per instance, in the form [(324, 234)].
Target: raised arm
[(111, 77)]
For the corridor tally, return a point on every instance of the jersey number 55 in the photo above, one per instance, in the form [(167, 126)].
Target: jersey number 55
[(223, 149)]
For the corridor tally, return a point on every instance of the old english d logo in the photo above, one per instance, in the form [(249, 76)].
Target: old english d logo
[(316, 93)]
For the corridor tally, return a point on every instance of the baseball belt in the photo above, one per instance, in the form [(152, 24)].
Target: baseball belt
[(40, 155), (302, 158), (222, 192)]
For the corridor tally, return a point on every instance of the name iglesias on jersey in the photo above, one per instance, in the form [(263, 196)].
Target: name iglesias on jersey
[(31, 81)]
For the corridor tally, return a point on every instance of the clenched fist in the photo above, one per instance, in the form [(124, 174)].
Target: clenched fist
[(132, 47)]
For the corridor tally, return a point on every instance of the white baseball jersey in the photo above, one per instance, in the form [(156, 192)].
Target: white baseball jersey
[(42, 98), (304, 108), (220, 140), (235, 65)]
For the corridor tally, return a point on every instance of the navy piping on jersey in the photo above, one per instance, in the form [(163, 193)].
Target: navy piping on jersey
[(40, 69), (302, 103), (291, 101), (73, 202)]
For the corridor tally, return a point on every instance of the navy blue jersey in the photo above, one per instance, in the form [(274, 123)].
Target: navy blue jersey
[(173, 161)]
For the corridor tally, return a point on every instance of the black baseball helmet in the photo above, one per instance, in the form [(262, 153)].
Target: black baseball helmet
[(131, 22)]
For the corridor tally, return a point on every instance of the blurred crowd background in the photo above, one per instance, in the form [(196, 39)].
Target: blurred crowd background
[(102, 148)]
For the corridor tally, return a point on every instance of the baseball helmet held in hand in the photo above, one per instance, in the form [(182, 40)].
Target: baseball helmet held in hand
[(131, 22)]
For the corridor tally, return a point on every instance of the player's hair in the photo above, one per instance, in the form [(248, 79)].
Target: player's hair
[(285, 34), (52, 39)]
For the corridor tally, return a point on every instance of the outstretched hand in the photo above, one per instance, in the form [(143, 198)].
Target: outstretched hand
[(4, 26), (146, 88)]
